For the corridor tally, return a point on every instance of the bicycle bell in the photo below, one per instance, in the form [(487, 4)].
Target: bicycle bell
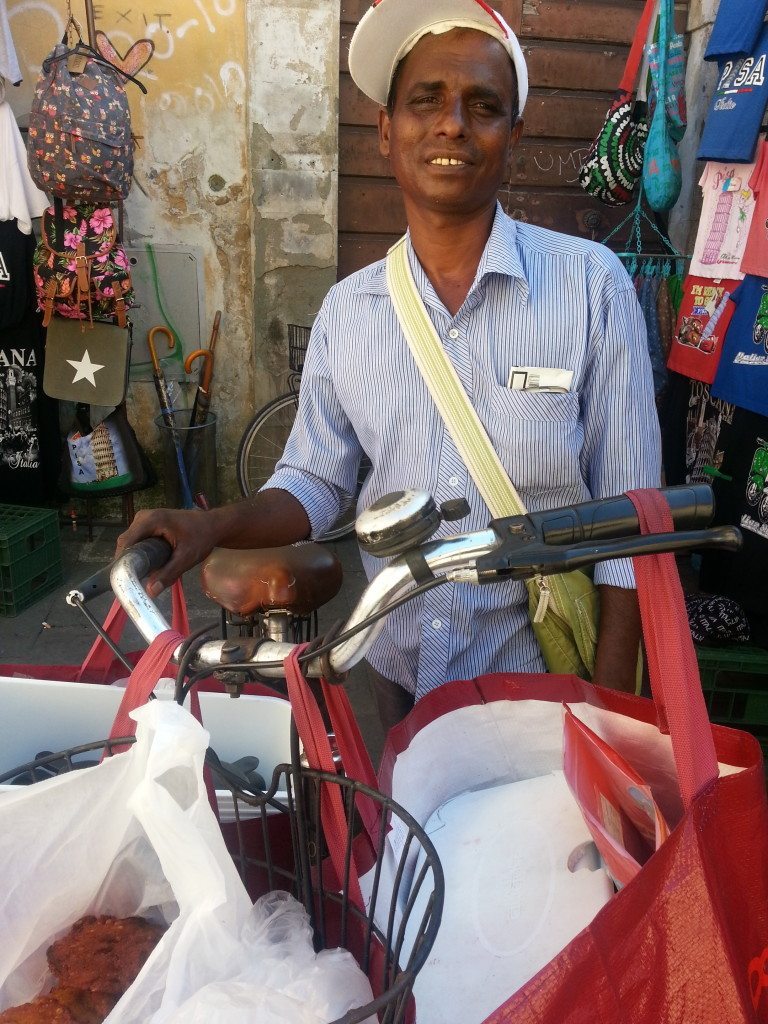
[(402, 520)]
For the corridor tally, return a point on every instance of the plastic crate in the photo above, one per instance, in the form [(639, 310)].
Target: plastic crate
[(30, 556), (735, 684)]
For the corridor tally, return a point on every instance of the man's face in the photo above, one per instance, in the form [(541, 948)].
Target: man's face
[(450, 134)]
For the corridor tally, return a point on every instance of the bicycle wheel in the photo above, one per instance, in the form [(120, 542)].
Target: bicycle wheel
[(262, 445)]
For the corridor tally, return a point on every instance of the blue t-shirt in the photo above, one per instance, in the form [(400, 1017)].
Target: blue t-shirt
[(742, 376), (736, 29), (738, 104)]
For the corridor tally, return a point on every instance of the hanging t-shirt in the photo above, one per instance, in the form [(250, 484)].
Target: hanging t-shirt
[(707, 425), (704, 318), (29, 419), (755, 259), (728, 204), (741, 499), (737, 28), (16, 252), (30, 449), (736, 112), (742, 375)]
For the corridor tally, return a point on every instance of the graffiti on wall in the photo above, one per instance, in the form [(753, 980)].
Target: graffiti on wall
[(186, 36)]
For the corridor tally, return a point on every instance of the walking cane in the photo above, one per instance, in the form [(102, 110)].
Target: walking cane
[(166, 410)]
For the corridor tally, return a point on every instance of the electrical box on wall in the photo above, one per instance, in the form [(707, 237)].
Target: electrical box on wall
[(168, 282)]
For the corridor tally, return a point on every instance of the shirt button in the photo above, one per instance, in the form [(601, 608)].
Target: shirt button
[(453, 481), (453, 333), (436, 623)]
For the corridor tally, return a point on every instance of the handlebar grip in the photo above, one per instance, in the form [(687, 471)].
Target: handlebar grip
[(692, 507), (153, 553), (149, 554)]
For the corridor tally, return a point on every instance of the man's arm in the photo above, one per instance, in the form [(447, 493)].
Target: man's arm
[(621, 451), (618, 639), (269, 518)]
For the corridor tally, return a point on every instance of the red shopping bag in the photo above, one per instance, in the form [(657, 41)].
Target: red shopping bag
[(684, 942)]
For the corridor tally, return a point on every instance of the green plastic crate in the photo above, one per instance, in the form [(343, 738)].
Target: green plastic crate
[(735, 684), (30, 556)]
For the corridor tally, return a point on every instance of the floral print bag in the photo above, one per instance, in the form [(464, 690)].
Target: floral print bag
[(80, 144), (81, 269)]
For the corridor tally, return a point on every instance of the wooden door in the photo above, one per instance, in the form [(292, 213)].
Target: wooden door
[(576, 52)]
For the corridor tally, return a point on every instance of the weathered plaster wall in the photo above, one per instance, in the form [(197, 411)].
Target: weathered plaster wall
[(237, 157), (293, 122)]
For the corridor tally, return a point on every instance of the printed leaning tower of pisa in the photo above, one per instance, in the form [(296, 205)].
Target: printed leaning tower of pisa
[(103, 453)]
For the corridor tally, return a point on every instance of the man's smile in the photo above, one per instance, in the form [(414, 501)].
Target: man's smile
[(447, 161)]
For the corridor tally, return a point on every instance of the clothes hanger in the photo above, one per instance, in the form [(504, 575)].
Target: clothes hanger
[(78, 51)]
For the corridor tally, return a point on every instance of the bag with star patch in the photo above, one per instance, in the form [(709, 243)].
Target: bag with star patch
[(81, 269), (106, 459), (86, 362)]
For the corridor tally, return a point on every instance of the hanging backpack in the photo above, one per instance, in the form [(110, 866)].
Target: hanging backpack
[(81, 269), (80, 144)]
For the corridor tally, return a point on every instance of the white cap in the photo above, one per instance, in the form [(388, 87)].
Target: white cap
[(391, 28)]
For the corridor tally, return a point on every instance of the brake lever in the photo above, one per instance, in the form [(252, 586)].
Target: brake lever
[(522, 555)]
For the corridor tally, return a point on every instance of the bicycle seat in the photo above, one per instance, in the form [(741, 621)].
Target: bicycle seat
[(297, 579)]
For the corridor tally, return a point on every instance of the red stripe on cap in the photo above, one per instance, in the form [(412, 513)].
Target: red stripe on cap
[(492, 13)]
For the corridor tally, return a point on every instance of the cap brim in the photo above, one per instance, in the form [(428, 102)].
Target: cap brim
[(385, 29)]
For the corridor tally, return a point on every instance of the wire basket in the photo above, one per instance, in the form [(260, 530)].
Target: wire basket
[(298, 340), (276, 843)]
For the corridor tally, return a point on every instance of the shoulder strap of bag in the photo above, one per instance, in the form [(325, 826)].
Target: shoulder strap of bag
[(629, 78), (672, 664), (446, 389), (439, 373)]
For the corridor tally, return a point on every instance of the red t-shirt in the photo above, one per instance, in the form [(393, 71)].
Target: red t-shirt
[(705, 313), (755, 259)]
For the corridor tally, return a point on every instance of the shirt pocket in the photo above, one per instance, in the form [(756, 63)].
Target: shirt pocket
[(537, 436)]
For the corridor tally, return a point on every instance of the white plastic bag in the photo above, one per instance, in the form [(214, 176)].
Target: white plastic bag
[(136, 835), (278, 977)]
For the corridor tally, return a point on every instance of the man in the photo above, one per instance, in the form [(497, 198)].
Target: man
[(453, 82)]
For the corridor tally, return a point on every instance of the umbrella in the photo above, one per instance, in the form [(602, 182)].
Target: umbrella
[(166, 410), (202, 401)]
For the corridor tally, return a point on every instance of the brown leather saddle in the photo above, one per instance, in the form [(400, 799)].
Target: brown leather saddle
[(296, 579)]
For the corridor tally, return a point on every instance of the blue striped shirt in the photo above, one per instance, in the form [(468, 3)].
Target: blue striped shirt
[(539, 299)]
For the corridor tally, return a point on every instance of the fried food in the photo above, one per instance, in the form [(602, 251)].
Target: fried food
[(103, 954), (62, 1006)]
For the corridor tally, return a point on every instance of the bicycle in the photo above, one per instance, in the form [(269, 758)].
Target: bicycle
[(265, 436), (400, 526)]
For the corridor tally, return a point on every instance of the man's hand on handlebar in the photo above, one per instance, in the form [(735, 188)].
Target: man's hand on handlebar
[(268, 519), (189, 532)]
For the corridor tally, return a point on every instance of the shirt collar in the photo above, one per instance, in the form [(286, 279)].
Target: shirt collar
[(500, 256)]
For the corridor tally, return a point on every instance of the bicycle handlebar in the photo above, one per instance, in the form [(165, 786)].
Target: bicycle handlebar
[(692, 508), (517, 547)]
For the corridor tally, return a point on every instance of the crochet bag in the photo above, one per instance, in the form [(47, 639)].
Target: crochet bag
[(614, 162), (81, 269), (80, 143)]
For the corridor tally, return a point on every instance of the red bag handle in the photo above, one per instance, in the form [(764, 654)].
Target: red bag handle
[(628, 82), (151, 666), (314, 737), (672, 663), (142, 682), (100, 658)]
